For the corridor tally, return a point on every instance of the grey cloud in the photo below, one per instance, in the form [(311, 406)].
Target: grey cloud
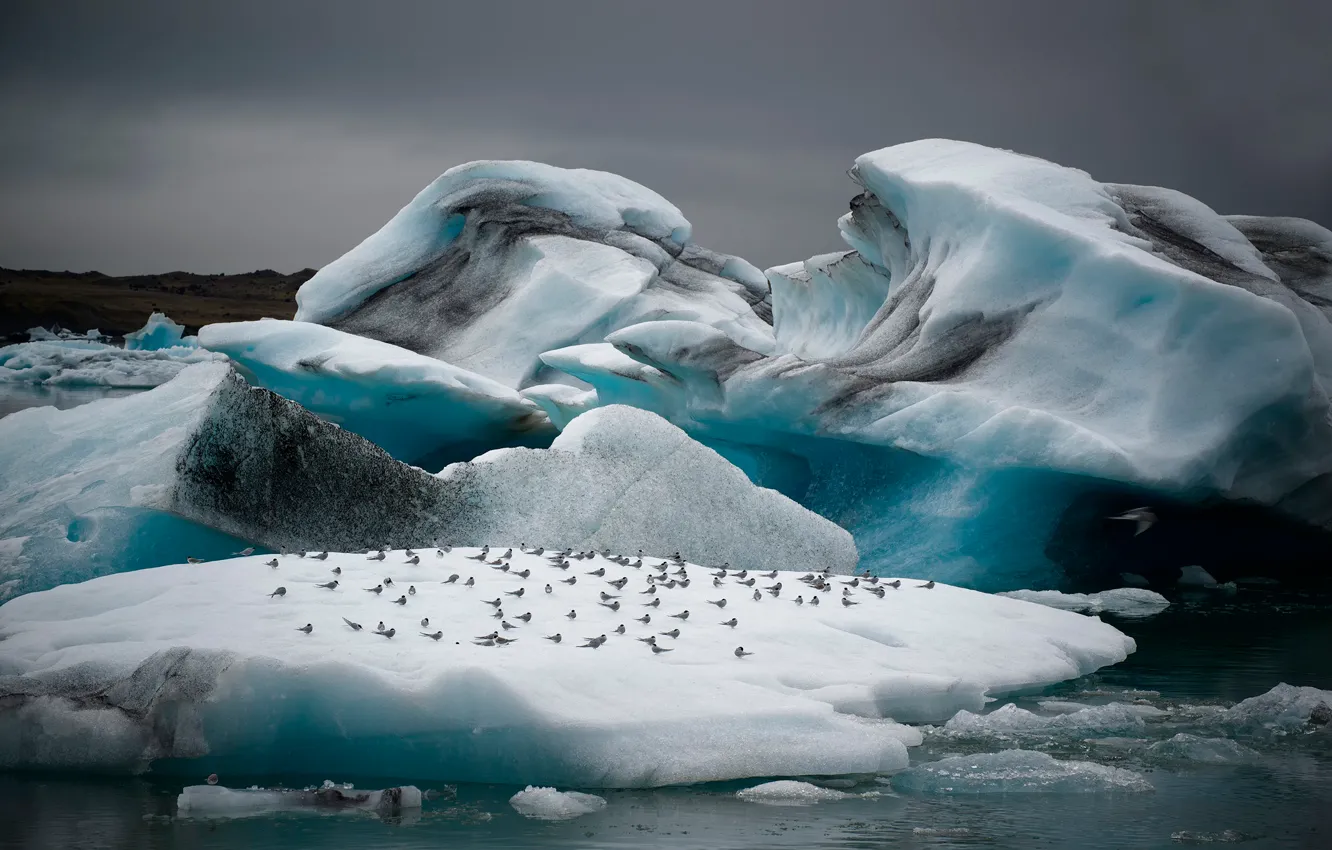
[(224, 136)]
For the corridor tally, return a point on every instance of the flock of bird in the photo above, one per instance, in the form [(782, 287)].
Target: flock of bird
[(637, 589)]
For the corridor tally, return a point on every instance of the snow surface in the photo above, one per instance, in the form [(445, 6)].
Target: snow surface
[(86, 363), (198, 662), (1122, 601), (551, 804), (497, 262), (414, 407), (217, 802), (159, 332), (1016, 772)]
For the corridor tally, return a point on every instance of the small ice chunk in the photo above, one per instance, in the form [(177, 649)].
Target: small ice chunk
[(552, 804), (1186, 747), (216, 801), (1011, 721), (1195, 576), (1283, 710), (1123, 601), (1015, 771), (788, 792), (159, 332)]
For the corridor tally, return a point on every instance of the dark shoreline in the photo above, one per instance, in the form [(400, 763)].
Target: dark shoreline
[(116, 306)]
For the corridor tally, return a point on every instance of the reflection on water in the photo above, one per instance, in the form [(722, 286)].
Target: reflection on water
[(15, 396), (1208, 650)]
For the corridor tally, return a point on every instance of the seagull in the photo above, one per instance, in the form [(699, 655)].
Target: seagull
[(388, 582), (814, 601), (653, 604), (731, 622), (300, 554), (378, 556), (519, 592), (684, 582), (380, 627), (356, 627), (598, 572), (740, 575), (388, 634), (433, 635), (593, 643), (740, 652), (555, 638), (337, 571), (719, 574), (471, 582), (522, 574), (307, 628), (408, 552), (895, 583), (683, 615), (619, 630), (439, 553), (618, 584), (570, 580), (800, 600), (503, 567), (506, 625), (758, 597), (414, 560), (614, 606), (281, 591), (496, 602), (194, 560), (651, 591), (322, 556), (847, 603), (716, 582), (1142, 519), (248, 550), (877, 591), (846, 591), (561, 565), (549, 589), (673, 633), (526, 618), (749, 582), (401, 600), (453, 579), (498, 615), (606, 597), (490, 636), (332, 585), (490, 642), (273, 563), (480, 556), (572, 614), (379, 588), (770, 575), (855, 582), (645, 619), (929, 585), (537, 551), (658, 650), (720, 603), (425, 622), (508, 553)]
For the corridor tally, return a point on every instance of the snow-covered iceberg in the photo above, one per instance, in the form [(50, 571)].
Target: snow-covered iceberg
[(553, 804), (205, 465), (418, 409), (157, 333), (1010, 353), (496, 262), (196, 669)]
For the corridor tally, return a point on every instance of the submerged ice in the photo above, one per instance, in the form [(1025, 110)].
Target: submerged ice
[(197, 668)]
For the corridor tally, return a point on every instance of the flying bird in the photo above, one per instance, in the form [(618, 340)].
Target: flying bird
[(1142, 519)]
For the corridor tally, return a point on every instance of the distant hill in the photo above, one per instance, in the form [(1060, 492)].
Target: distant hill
[(117, 305)]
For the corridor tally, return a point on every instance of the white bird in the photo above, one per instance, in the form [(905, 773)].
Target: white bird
[(731, 622), (740, 652), (248, 550), (356, 627), (1142, 518), (307, 628), (433, 636), (273, 563)]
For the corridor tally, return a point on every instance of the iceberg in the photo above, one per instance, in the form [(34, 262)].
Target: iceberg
[(206, 465), (552, 804), (158, 333), (789, 792), (206, 668), (1129, 602), (1010, 722), (1016, 772), (217, 802), (88, 363), (419, 409), (496, 262), (1012, 352)]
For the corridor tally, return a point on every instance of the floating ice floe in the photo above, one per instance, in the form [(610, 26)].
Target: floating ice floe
[(1130, 602), (86, 363), (416, 408), (1010, 722), (552, 804), (209, 667), (215, 801), (159, 333), (205, 465), (1015, 772), (1192, 748), (790, 792)]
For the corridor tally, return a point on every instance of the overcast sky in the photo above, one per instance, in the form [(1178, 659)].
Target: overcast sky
[(228, 136)]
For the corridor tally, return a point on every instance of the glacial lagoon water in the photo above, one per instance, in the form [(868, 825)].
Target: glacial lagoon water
[(1210, 649)]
